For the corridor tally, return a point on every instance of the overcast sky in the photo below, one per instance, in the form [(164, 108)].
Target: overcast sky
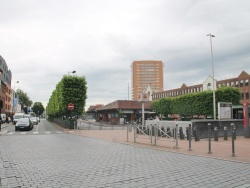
[(42, 40)]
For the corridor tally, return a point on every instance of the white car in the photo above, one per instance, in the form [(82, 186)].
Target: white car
[(34, 120), (17, 116)]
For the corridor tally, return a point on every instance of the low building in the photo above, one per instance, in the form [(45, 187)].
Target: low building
[(122, 111)]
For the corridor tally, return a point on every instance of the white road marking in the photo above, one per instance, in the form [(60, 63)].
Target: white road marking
[(59, 132), (10, 133), (35, 132), (23, 132), (47, 132), (37, 127)]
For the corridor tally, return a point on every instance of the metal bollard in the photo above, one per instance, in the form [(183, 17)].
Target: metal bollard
[(215, 133), (174, 133), (196, 134), (127, 132), (190, 138), (176, 136), (209, 138), (233, 133), (225, 132), (181, 133), (150, 133), (155, 129), (188, 132)]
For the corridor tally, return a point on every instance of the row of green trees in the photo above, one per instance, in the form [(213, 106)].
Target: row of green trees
[(196, 103), (71, 89), (26, 102)]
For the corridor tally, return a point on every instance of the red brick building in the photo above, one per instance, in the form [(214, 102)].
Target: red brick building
[(241, 82)]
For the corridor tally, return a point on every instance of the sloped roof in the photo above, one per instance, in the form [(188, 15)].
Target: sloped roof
[(243, 74), (125, 104)]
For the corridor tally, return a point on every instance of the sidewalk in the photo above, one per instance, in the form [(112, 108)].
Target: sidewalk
[(221, 149)]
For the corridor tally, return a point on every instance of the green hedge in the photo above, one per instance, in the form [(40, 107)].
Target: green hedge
[(195, 103), (71, 89)]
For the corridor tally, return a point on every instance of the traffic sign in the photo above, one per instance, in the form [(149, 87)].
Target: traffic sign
[(70, 106), (244, 103)]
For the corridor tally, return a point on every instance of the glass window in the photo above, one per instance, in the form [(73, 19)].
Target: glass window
[(246, 82), (232, 83), (242, 96), (228, 84), (241, 83), (236, 84), (209, 86), (247, 95)]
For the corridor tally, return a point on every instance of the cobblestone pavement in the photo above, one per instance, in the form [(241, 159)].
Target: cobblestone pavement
[(67, 160)]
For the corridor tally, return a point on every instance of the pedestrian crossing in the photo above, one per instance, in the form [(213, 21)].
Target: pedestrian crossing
[(33, 133)]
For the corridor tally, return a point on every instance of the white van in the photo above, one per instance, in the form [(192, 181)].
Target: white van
[(3, 117), (17, 116)]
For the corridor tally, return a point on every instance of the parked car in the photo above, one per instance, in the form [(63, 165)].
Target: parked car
[(34, 120), (16, 117), (38, 118), (24, 123), (3, 118)]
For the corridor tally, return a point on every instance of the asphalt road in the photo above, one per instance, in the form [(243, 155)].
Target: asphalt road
[(43, 127), (66, 160)]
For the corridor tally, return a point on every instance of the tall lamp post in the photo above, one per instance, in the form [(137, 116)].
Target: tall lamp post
[(73, 72), (14, 96), (210, 35)]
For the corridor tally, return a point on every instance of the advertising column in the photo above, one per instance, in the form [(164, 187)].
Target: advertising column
[(246, 120)]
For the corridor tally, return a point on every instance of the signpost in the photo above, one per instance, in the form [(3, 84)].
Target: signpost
[(70, 106)]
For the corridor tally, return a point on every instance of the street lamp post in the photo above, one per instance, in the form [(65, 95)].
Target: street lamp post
[(210, 35), (71, 72)]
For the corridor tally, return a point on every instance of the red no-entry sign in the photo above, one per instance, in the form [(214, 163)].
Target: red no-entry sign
[(70, 106)]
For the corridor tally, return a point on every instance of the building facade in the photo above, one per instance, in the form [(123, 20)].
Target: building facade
[(144, 73), (241, 82), (121, 111), (6, 92)]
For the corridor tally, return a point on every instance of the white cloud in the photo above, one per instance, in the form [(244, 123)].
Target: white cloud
[(43, 40)]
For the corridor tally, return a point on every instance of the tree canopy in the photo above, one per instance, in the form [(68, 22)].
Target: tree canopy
[(71, 89), (38, 108), (24, 98), (196, 103)]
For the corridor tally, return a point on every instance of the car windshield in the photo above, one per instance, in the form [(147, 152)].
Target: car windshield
[(18, 116), (23, 120)]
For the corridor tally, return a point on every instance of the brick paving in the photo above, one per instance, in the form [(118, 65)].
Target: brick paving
[(219, 149), (100, 159)]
